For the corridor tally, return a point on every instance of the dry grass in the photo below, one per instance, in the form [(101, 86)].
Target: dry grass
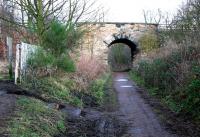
[(88, 69), (175, 71), (162, 52)]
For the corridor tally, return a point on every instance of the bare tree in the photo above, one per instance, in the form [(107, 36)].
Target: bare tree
[(153, 17), (38, 14), (186, 23)]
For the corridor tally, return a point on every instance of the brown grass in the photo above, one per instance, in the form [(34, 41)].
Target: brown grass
[(88, 69)]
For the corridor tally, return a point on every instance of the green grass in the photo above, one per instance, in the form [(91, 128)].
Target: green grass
[(56, 88), (173, 105), (64, 89), (97, 88), (140, 82), (110, 97), (35, 119), (4, 77), (133, 75)]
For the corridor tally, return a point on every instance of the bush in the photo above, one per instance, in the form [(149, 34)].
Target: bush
[(191, 102), (177, 74), (156, 74), (53, 53), (88, 69), (174, 78), (65, 63), (54, 40), (149, 41), (41, 59)]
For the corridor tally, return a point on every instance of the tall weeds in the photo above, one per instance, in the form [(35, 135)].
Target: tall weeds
[(88, 69)]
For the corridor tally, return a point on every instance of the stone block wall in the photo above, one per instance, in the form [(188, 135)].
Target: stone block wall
[(100, 35)]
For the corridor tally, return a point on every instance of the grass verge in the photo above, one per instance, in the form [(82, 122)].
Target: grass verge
[(110, 96), (55, 88), (35, 119), (97, 88)]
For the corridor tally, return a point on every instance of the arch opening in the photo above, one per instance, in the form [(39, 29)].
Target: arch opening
[(121, 54), (127, 42)]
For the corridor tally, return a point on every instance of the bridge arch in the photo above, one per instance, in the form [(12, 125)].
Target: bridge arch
[(127, 40), (102, 35)]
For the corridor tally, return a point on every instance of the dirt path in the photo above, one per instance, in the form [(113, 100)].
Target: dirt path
[(141, 120)]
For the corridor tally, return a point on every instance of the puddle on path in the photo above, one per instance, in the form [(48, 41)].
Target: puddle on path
[(122, 80), (126, 86)]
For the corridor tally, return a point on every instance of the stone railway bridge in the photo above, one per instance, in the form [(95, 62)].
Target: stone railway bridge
[(101, 35)]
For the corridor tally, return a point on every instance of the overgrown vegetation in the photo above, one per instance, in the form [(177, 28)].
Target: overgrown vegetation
[(98, 89), (174, 78), (76, 88), (64, 88), (172, 73), (50, 71), (68, 89), (88, 70), (53, 53), (149, 41), (110, 102), (35, 119)]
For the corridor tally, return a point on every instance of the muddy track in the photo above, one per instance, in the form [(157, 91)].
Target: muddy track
[(140, 118), (79, 122), (132, 117)]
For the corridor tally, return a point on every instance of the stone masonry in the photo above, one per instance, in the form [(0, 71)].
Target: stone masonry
[(100, 36)]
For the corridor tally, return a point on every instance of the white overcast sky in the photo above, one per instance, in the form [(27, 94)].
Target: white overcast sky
[(132, 10)]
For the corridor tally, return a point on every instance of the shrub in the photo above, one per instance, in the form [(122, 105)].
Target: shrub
[(53, 53), (65, 63), (191, 102), (156, 74), (41, 59), (149, 41), (178, 72), (91, 67), (174, 78), (54, 40)]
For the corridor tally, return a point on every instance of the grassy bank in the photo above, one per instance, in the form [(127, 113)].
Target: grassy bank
[(110, 98), (34, 119)]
